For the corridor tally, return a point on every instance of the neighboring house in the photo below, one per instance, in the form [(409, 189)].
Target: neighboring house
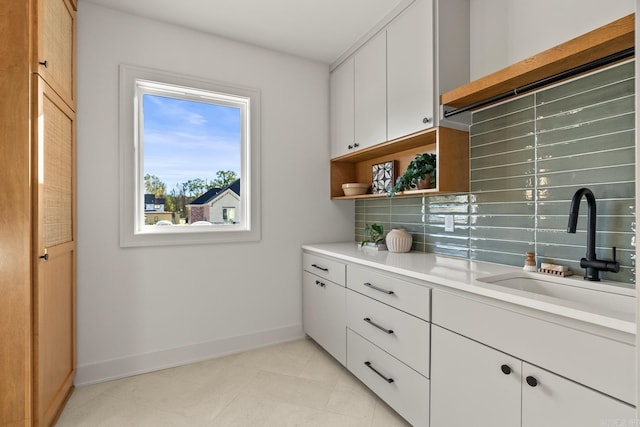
[(153, 203), (154, 210), (218, 205)]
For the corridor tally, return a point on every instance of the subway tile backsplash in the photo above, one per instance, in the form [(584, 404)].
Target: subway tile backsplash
[(528, 156)]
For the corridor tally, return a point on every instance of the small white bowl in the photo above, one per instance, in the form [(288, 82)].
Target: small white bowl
[(355, 188)]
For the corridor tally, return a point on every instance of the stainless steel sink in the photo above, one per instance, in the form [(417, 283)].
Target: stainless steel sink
[(604, 298)]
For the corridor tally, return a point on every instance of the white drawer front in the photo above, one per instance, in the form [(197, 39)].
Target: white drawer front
[(324, 267), (406, 296), (404, 336), (399, 386)]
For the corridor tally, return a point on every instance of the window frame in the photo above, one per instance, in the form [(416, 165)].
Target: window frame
[(133, 231)]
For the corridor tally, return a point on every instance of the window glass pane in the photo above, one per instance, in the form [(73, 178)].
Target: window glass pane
[(191, 159)]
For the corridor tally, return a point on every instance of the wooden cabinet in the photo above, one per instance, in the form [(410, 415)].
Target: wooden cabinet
[(342, 109), (54, 57), (371, 92), (410, 72), (323, 305), (475, 384), (37, 308), (451, 147), (54, 271)]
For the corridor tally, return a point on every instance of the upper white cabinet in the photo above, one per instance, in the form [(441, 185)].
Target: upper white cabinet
[(398, 75), (371, 92), (342, 108), (410, 78)]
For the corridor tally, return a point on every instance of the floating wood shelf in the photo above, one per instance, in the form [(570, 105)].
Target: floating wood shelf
[(599, 43), (451, 147)]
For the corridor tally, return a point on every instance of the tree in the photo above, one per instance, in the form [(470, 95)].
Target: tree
[(153, 185), (195, 187), (223, 179)]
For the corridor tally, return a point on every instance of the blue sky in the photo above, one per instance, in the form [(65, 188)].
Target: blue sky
[(184, 140)]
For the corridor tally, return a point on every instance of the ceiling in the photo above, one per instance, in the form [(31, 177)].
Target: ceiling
[(320, 30)]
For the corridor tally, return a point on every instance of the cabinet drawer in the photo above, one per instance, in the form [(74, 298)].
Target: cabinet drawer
[(406, 296), (601, 363), (403, 336), (399, 386), (327, 268)]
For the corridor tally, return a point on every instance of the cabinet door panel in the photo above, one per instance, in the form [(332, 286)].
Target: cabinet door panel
[(410, 71), (342, 108), (55, 46), (371, 92), (54, 279), (468, 387), (323, 308), (556, 401)]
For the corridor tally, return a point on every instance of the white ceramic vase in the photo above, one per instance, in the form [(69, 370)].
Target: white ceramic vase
[(399, 240)]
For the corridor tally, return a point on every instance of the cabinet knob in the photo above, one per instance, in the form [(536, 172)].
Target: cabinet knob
[(426, 120), (532, 381), (45, 63), (322, 285), (506, 369), (350, 147), (356, 145)]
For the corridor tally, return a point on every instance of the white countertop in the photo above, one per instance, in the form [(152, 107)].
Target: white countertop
[(462, 275)]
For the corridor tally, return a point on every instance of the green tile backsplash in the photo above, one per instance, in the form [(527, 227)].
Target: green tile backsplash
[(528, 156)]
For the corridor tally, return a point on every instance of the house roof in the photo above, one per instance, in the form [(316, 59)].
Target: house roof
[(215, 192)]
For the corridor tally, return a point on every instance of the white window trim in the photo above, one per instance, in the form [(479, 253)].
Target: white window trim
[(133, 232)]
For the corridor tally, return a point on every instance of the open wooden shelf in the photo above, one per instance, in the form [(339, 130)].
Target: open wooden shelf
[(599, 43), (451, 147)]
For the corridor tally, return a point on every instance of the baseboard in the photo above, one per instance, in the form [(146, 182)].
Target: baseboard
[(142, 363)]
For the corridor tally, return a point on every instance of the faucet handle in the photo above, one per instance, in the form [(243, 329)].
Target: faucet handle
[(614, 253)]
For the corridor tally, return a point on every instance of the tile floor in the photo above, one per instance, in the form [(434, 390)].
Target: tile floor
[(291, 384)]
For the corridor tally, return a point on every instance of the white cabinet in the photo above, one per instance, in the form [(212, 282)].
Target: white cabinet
[(469, 386), (548, 399), (342, 109), (371, 92), (410, 73), (398, 75), (399, 386), (323, 307), (472, 384)]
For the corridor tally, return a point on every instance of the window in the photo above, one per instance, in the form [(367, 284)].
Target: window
[(189, 150)]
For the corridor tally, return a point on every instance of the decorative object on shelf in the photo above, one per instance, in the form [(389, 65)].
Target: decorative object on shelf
[(355, 188), (399, 240), (530, 262), (382, 177), (415, 177), (374, 237)]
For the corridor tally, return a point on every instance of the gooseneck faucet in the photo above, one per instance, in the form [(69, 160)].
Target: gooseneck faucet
[(591, 264)]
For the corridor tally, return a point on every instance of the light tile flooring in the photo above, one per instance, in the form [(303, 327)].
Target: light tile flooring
[(291, 384)]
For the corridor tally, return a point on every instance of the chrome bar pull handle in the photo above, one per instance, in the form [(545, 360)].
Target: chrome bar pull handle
[(372, 323), (379, 289), (389, 380)]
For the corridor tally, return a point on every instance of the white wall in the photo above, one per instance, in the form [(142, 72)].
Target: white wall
[(506, 31), (144, 308)]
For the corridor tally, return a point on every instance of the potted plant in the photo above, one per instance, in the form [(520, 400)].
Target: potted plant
[(374, 237), (420, 174)]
